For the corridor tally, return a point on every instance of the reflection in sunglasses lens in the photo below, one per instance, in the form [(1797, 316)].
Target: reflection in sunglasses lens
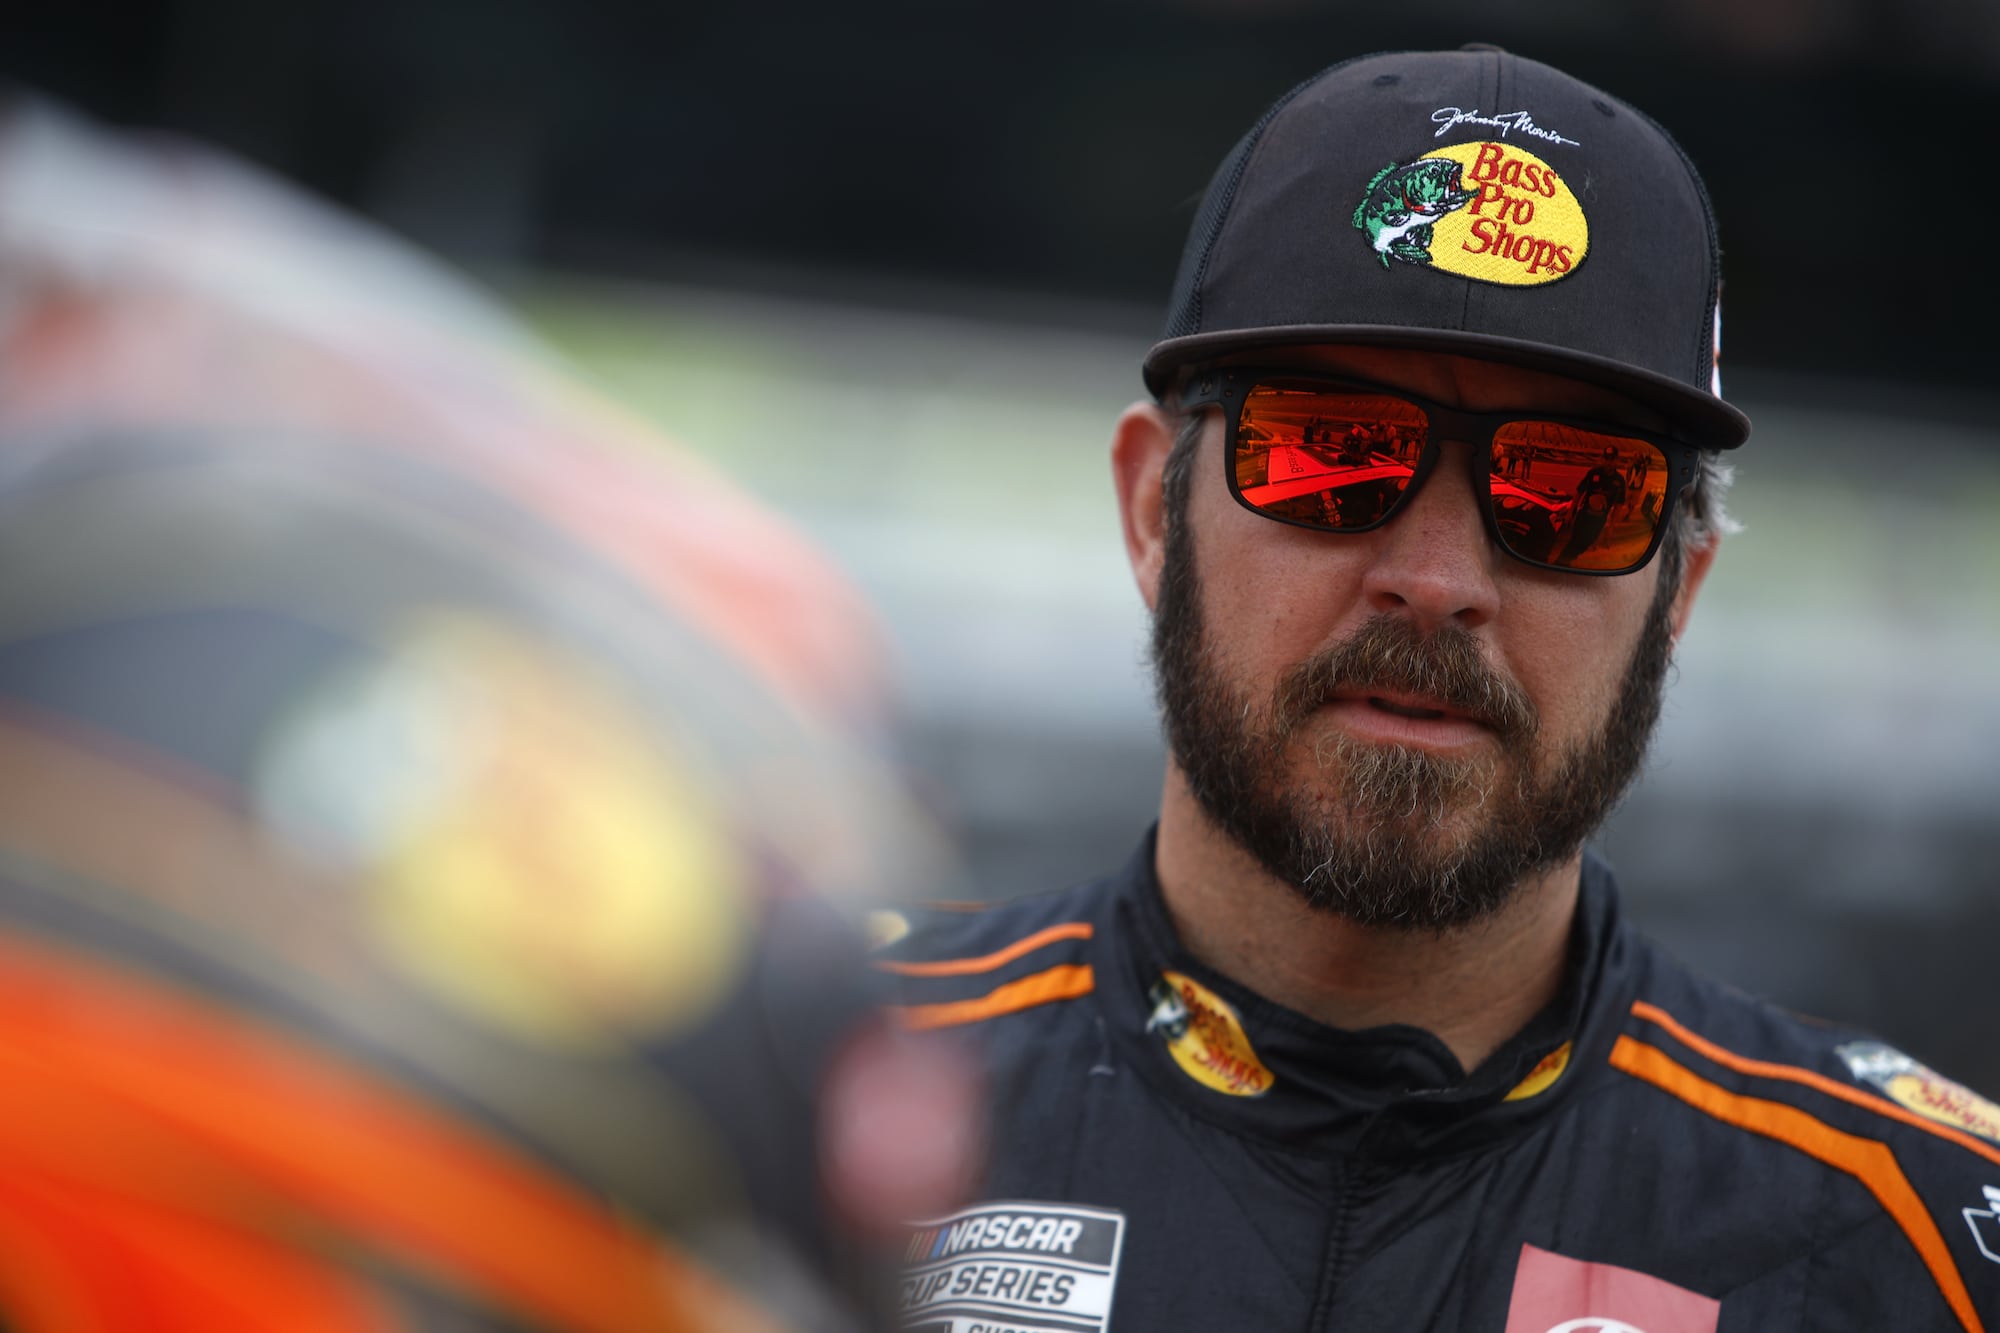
[(1342, 460), (1574, 498), (1324, 457)]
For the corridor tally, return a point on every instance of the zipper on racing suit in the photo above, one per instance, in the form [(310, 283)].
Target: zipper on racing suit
[(1334, 1256)]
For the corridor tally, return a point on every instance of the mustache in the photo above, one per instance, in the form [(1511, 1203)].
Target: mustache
[(1389, 654)]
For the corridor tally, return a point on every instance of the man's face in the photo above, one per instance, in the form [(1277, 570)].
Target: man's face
[(1404, 723)]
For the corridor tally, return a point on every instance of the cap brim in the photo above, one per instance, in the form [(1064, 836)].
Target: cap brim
[(1697, 415)]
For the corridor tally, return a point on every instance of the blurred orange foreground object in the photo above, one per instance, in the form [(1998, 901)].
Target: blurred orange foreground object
[(168, 286), (161, 1163)]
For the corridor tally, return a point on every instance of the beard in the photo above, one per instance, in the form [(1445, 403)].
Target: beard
[(1395, 836)]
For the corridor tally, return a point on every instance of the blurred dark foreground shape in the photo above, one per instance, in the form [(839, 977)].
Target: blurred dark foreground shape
[(432, 811)]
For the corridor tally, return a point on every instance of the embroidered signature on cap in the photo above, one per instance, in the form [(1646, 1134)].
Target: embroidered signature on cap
[(1451, 117)]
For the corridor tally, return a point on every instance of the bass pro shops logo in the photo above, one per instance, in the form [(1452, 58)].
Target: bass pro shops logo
[(1491, 211), (1403, 202), (1921, 1088), (1205, 1038)]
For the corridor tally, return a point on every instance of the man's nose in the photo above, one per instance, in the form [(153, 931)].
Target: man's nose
[(1433, 561)]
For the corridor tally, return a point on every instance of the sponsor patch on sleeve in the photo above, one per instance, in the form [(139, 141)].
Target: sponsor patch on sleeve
[(1015, 1267), (1921, 1089)]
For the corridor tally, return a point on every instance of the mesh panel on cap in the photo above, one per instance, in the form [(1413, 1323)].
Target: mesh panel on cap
[(1184, 305), (1704, 352)]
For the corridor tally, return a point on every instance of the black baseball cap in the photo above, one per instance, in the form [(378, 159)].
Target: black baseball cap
[(1467, 201)]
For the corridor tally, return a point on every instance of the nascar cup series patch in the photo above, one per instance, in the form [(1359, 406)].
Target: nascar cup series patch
[(1022, 1267), (1205, 1037), (1921, 1089), (1488, 210)]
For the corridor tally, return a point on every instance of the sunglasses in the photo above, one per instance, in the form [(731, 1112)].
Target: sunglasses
[(1335, 456)]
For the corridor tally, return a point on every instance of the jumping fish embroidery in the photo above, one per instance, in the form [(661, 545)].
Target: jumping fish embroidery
[(1403, 201)]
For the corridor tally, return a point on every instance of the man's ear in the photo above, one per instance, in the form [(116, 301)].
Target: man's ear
[(1140, 443), (1695, 564)]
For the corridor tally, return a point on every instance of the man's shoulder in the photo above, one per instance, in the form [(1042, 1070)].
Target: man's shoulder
[(1697, 1012), (955, 964), (1855, 1102), (938, 931)]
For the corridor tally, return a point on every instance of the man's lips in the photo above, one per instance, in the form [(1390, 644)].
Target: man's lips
[(1417, 706), (1395, 717)]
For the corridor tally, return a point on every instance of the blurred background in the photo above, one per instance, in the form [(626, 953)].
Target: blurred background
[(891, 267)]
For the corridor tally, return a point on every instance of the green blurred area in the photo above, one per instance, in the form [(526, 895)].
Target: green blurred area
[(1889, 514), (823, 409)]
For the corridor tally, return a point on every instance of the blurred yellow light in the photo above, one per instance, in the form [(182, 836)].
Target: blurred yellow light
[(571, 879)]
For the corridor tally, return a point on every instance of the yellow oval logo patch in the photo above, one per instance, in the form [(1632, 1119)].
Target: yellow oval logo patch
[(1489, 210), (1205, 1037), (1948, 1103), (1543, 1076), (1522, 227), (1921, 1088)]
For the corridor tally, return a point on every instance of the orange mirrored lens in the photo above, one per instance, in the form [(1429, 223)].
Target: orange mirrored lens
[(1577, 499), (1325, 457)]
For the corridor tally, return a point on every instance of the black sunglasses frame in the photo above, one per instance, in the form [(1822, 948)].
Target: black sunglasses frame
[(1229, 388)]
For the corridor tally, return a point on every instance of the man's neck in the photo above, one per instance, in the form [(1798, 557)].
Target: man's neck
[(1472, 988)]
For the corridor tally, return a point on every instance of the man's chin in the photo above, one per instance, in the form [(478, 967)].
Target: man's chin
[(1419, 852), (1368, 785), (1390, 880), (1421, 843)]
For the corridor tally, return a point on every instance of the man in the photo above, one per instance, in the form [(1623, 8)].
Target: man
[(1601, 491), (1357, 1039)]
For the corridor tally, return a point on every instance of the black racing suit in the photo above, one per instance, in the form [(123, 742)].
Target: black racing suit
[(1653, 1148)]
